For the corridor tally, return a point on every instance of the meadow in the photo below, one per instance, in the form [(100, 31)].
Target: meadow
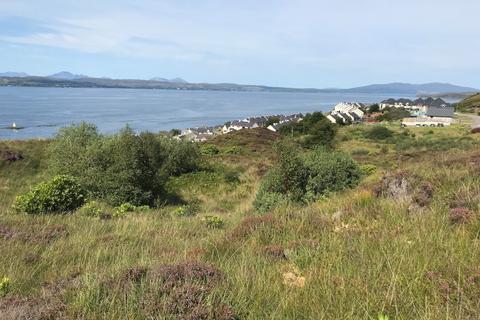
[(403, 244)]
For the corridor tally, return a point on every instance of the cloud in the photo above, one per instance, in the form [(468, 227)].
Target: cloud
[(305, 37)]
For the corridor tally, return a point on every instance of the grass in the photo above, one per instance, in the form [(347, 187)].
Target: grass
[(470, 104), (351, 255)]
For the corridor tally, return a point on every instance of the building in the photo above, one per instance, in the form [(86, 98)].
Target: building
[(433, 117), (346, 112)]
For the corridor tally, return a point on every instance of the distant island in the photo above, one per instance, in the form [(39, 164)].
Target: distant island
[(66, 79)]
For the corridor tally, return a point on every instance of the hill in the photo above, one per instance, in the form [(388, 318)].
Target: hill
[(65, 75), (470, 104), (13, 75), (67, 79), (415, 89), (403, 243)]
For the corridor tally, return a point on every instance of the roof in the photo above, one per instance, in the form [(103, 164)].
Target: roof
[(440, 112)]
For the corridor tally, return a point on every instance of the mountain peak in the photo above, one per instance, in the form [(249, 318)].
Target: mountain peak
[(65, 75), (174, 80)]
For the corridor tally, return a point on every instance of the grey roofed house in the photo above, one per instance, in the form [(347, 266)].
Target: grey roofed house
[(440, 112)]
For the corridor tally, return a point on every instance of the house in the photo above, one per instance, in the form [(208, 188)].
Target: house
[(283, 120), (434, 117), (416, 107), (198, 134), (346, 112)]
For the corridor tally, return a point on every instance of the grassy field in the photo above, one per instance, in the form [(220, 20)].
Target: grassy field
[(404, 247)]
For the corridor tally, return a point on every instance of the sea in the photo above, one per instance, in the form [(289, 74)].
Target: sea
[(40, 112)]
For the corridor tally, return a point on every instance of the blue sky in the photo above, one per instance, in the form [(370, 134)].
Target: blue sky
[(301, 43)]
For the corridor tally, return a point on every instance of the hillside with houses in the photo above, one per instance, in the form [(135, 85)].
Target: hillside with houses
[(420, 113)]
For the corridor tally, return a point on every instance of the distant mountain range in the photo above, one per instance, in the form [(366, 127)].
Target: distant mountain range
[(65, 75), (13, 74), (67, 79), (174, 80)]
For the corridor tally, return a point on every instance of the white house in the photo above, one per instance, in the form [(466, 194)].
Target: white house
[(346, 112)]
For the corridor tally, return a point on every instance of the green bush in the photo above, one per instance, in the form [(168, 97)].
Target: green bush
[(60, 195), (298, 179), (266, 201), (125, 167), (368, 169), (393, 113), (122, 210), (233, 150), (329, 172), (186, 211), (379, 133), (93, 209), (4, 286), (315, 130), (213, 221), (209, 149)]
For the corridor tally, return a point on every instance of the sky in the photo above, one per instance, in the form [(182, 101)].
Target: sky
[(294, 43)]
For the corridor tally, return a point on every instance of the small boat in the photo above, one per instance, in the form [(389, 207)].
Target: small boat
[(14, 127)]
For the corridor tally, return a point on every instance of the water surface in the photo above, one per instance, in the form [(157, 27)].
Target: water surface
[(42, 111)]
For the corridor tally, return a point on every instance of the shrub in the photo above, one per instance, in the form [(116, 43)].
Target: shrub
[(94, 209), (231, 176), (213, 221), (209, 149), (266, 201), (315, 128), (368, 169), (4, 286), (392, 114), (233, 150), (378, 133), (299, 179), (330, 171), (360, 152), (186, 211), (60, 195), (124, 167), (123, 209)]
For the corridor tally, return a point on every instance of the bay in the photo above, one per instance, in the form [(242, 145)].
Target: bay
[(42, 111)]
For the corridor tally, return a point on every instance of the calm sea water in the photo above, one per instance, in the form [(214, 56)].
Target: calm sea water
[(42, 111)]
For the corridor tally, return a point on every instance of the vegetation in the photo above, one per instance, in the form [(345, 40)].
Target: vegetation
[(60, 195), (314, 130), (470, 104), (121, 168), (304, 178), (393, 113), (402, 244), (379, 133)]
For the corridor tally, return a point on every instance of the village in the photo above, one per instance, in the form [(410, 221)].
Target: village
[(427, 112)]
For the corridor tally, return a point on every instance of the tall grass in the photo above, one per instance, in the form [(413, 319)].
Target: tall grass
[(351, 255)]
